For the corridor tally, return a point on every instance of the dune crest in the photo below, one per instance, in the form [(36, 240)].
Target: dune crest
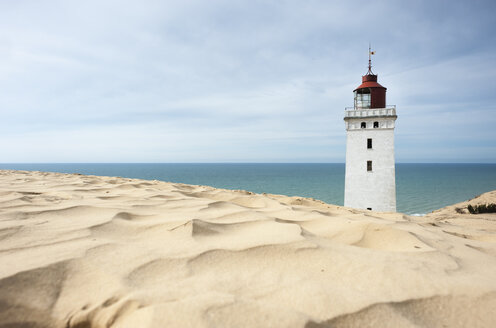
[(87, 251)]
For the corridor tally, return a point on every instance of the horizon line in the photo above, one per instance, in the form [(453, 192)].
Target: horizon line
[(38, 163)]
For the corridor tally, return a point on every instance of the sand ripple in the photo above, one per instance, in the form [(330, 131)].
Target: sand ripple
[(85, 251)]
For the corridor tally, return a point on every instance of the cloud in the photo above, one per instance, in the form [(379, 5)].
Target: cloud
[(255, 81)]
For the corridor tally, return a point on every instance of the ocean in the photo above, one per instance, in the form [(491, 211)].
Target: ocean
[(420, 188)]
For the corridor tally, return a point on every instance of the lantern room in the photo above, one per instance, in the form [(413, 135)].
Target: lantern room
[(370, 94)]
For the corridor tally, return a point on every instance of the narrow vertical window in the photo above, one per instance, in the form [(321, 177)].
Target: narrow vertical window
[(369, 143), (376, 125), (369, 166), (363, 125)]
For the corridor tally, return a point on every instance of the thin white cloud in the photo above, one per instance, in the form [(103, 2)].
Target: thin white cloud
[(237, 80)]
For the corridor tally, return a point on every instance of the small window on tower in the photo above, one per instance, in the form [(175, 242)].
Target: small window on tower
[(376, 125), (369, 166), (363, 125), (369, 143)]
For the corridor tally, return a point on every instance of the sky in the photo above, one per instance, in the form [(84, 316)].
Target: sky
[(241, 81)]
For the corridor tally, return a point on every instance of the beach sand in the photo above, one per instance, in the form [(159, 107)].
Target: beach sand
[(87, 251)]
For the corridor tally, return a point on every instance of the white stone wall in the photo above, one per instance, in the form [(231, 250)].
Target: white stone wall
[(375, 189)]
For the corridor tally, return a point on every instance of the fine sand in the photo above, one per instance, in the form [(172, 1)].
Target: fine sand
[(87, 251)]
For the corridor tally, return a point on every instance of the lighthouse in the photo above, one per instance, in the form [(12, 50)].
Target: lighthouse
[(370, 166)]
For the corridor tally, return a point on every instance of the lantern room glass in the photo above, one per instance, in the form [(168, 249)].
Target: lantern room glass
[(362, 98)]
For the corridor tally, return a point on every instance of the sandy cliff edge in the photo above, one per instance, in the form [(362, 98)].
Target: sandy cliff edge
[(88, 251)]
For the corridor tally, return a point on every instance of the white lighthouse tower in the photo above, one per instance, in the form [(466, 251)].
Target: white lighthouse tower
[(370, 175)]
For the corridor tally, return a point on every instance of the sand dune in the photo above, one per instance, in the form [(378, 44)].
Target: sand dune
[(86, 251)]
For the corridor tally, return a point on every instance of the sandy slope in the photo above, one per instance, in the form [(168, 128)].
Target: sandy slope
[(87, 251)]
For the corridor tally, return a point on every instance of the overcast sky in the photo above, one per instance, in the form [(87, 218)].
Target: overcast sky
[(241, 81)]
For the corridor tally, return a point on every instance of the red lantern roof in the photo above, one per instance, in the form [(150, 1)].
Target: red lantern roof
[(369, 81)]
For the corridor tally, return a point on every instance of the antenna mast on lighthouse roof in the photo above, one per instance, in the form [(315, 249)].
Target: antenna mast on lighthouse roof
[(369, 72)]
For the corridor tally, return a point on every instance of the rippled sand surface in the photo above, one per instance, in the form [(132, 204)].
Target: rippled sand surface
[(87, 251)]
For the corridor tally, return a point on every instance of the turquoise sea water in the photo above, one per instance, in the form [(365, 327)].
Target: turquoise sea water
[(420, 188)]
